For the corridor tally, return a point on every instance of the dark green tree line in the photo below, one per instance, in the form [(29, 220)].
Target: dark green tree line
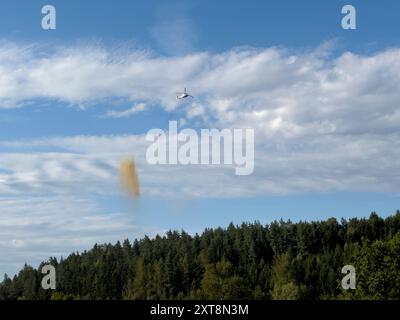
[(282, 260)]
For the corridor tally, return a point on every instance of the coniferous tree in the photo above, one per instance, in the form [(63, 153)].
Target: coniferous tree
[(283, 260)]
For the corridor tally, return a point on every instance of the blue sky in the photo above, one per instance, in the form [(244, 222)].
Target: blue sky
[(323, 102), (217, 26)]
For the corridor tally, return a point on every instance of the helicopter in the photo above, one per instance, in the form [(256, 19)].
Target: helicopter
[(183, 95)]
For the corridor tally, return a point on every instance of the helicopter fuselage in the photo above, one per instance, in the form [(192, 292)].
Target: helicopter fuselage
[(182, 96)]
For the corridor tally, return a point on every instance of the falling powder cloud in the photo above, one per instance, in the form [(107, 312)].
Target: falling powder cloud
[(129, 178)]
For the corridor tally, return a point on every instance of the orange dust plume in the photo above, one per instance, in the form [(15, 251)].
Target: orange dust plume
[(129, 178)]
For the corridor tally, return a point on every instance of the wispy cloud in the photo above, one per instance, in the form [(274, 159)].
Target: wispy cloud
[(34, 228), (321, 123), (279, 92), (125, 113), (286, 166), (174, 30)]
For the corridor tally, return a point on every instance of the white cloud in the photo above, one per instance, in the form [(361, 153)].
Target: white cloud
[(321, 122), (90, 164), (125, 113), (278, 91)]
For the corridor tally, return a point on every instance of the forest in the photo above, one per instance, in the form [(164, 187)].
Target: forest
[(282, 261)]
